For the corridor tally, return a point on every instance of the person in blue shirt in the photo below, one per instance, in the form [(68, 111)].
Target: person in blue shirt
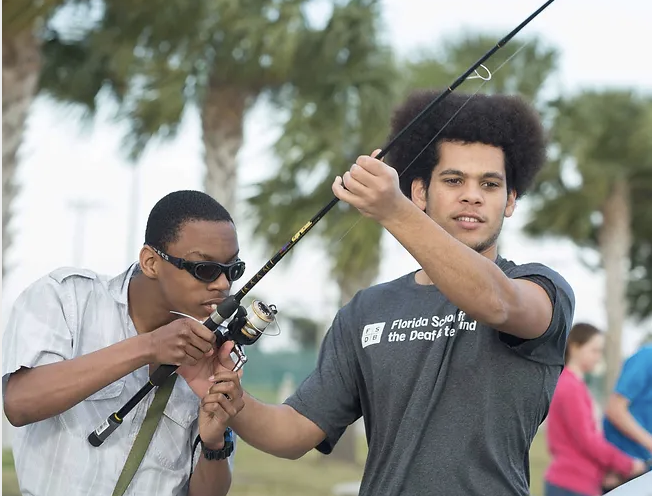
[(628, 416)]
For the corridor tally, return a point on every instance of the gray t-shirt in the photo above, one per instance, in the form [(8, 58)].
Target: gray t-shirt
[(450, 405)]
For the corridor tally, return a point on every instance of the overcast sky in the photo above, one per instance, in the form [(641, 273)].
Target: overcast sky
[(601, 42)]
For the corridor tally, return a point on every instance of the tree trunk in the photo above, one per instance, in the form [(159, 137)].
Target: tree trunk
[(346, 448), (615, 240), (222, 126), (21, 64)]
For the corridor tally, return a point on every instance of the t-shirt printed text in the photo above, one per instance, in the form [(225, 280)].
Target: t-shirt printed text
[(418, 329)]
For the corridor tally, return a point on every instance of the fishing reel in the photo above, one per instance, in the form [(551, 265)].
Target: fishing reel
[(246, 327)]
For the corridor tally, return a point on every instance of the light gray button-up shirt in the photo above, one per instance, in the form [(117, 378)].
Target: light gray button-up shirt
[(69, 313)]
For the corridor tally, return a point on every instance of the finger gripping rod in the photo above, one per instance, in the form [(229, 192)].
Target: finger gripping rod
[(223, 311)]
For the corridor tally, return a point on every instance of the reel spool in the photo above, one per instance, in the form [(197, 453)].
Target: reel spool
[(259, 316), (247, 326)]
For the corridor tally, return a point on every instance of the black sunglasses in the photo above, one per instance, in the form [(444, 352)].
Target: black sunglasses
[(205, 271)]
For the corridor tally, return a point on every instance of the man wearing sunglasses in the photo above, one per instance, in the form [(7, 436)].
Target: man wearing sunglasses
[(78, 345)]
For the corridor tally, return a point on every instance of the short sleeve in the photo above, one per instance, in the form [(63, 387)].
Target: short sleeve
[(550, 346), (37, 332), (636, 374), (329, 396)]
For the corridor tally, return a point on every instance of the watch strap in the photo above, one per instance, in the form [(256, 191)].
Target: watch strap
[(224, 452)]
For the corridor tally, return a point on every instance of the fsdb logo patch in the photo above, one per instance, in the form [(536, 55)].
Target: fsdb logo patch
[(372, 333)]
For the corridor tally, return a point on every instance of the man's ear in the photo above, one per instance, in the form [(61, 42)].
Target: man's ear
[(419, 193), (511, 203), (148, 262)]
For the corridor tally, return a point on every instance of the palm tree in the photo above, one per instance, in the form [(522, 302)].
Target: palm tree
[(639, 288), (21, 66), (597, 191), (333, 119), (215, 57), (241, 52)]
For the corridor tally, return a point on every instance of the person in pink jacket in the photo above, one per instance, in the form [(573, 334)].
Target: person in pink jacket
[(581, 456)]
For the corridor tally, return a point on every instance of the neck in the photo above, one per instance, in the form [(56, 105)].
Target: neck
[(146, 305), (575, 369), (491, 253)]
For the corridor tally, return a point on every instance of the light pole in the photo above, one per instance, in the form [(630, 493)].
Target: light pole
[(80, 208)]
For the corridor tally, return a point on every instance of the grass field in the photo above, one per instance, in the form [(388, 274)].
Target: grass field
[(258, 474)]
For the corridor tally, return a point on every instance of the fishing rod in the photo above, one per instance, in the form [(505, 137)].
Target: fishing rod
[(231, 304)]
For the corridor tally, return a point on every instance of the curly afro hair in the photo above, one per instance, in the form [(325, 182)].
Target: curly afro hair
[(507, 122)]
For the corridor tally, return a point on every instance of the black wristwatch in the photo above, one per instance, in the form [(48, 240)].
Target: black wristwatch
[(223, 453)]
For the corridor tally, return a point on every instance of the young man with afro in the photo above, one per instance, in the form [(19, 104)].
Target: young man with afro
[(78, 345), (452, 366)]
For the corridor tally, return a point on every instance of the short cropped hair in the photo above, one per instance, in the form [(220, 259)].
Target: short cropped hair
[(506, 122), (175, 209)]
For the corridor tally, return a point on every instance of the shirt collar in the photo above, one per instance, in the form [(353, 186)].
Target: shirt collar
[(119, 285)]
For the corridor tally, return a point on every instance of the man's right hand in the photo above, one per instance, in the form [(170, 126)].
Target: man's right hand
[(181, 342)]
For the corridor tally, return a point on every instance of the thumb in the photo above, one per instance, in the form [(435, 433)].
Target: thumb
[(224, 356)]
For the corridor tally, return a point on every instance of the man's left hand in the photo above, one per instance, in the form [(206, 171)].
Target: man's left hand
[(199, 376), (218, 407), (372, 187)]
